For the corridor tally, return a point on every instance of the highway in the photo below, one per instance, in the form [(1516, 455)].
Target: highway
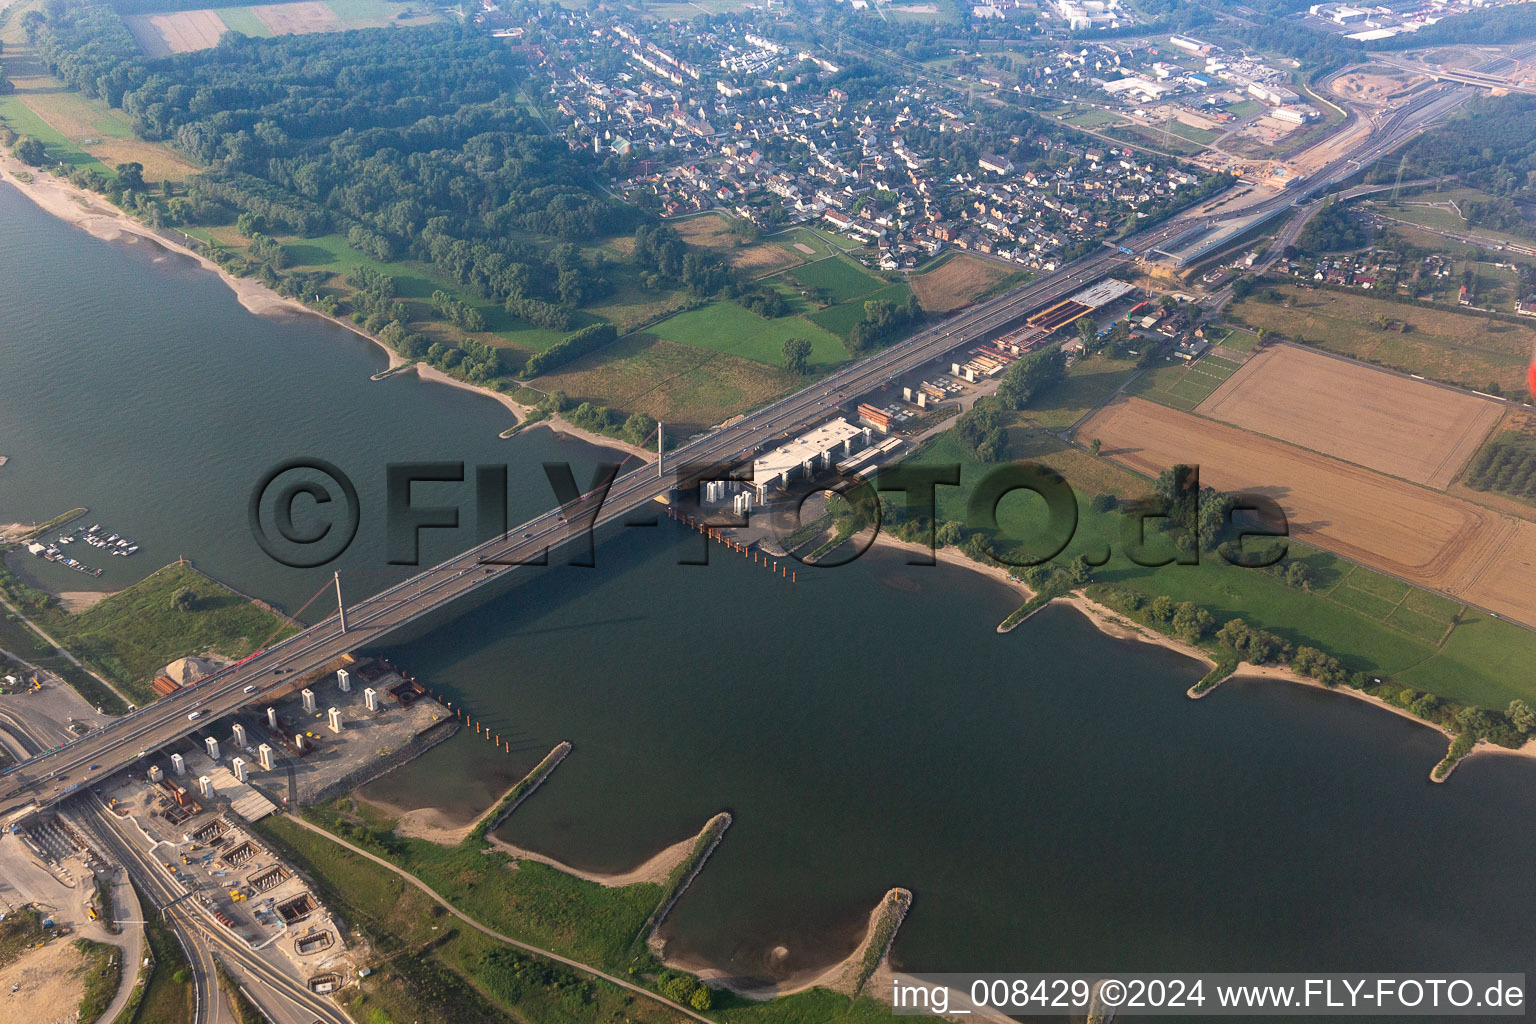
[(57, 774)]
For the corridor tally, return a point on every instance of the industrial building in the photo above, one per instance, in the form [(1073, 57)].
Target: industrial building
[(813, 450), (1142, 88), (1190, 44)]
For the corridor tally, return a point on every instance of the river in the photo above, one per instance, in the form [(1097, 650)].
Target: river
[(1050, 796)]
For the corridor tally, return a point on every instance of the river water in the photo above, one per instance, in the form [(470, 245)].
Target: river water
[(1050, 796)]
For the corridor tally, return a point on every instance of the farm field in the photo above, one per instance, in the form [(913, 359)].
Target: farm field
[(1458, 348), (713, 231), (687, 387), (1357, 413), (841, 279), (1423, 537), (1373, 622), (183, 31), (957, 282), (839, 319), (727, 327)]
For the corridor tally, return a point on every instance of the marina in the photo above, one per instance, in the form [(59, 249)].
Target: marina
[(111, 543)]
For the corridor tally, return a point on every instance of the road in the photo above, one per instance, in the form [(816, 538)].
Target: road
[(1217, 301), (58, 773)]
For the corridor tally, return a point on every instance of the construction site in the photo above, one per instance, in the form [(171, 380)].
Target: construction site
[(202, 843)]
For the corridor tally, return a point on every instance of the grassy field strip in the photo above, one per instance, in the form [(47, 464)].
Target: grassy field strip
[(483, 929), (23, 120)]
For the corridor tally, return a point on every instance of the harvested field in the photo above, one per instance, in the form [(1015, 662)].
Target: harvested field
[(762, 258), (297, 19), (1459, 348), (1421, 536), (712, 231), (1406, 428), (708, 230), (160, 34), (957, 282)]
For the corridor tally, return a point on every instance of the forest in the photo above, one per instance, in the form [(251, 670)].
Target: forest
[(1489, 148), (413, 145), (1331, 229)]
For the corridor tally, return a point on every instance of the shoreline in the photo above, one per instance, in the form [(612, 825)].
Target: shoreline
[(1112, 623), (950, 555), (100, 219), (426, 823), (836, 976)]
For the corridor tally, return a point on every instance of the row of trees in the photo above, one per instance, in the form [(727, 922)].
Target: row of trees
[(588, 339)]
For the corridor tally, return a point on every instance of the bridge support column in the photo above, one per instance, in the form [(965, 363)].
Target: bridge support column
[(341, 609)]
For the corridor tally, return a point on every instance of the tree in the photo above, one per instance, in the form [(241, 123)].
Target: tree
[(183, 600), (1087, 330), (1191, 622), (1521, 716), (1161, 608), (1298, 575), (130, 176), (637, 429), (1030, 377), (1095, 446), (797, 354), (30, 151), (249, 224)]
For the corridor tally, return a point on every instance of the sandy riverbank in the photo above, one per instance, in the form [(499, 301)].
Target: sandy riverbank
[(434, 826), (1114, 624), (520, 412), (955, 557), (80, 600), (838, 977), (101, 219)]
